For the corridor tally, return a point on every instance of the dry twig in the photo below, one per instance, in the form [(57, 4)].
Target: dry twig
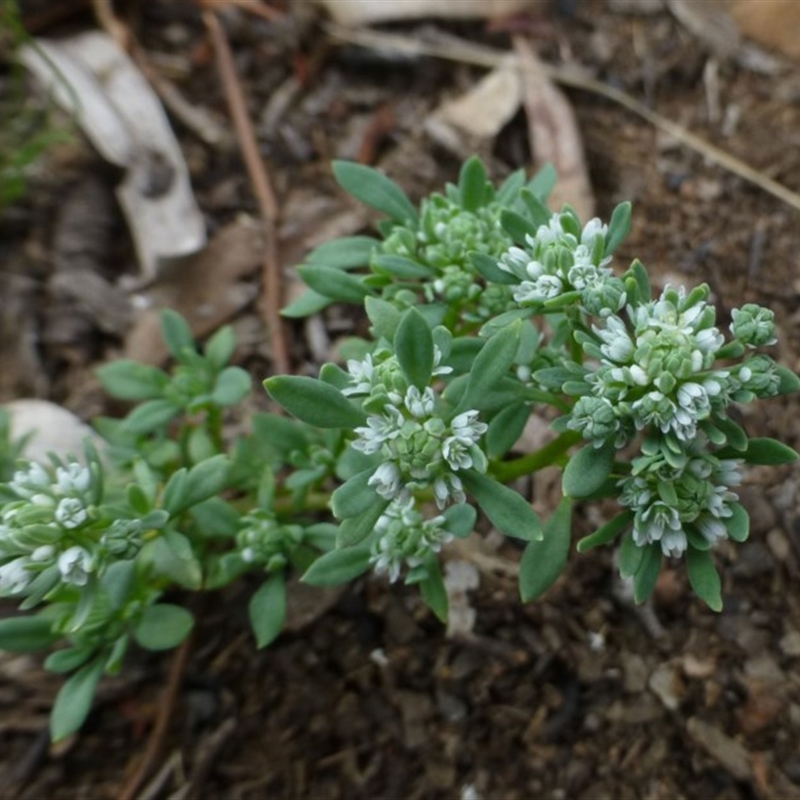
[(261, 187), (478, 55), (165, 710)]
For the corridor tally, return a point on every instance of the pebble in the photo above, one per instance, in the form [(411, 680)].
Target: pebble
[(666, 684), (635, 672), (790, 644)]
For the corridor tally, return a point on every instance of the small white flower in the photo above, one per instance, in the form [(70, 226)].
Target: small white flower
[(71, 513), (14, 578), (545, 287), (75, 564), (456, 453), (28, 482), (617, 344), (467, 428), (420, 404), (42, 553), (379, 429), (362, 375), (592, 229), (448, 487), (674, 543), (386, 480), (74, 478)]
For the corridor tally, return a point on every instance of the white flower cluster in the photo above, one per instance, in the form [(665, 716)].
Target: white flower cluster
[(658, 372), (419, 449), (562, 257), (403, 537), (39, 530), (674, 505)]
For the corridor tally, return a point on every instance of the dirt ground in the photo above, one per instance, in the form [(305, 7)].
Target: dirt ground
[(580, 695)]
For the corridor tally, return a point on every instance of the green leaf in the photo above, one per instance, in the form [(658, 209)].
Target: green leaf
[(510, 187), (607, 532), (176, 332), (738, 524), (630, 557), (644, 581), (769, 451), (543, 561), (267, 610), (354, 496), (172, 556), (354, 530), (491, 364), (334, 283), (401, 267), (150, 416), (516, 225), (175, 491), (338, 566), (641, 281), (433, 589), (587, 470), (703, 577), (163, 626), (507, 510), (314, 402), (619, 227), (384, 317), (374, 189), (413, 346), (308, 303), (74, 700), (472, 182), (788, 381), (460, 519), (67, 660), (215, 518), (344, 253), (506, 428), (26, 634), (206, 479), (486, 266), (130, 380), (539, 213), (233, 384), (543, 182), (219, 349), (734, 434)]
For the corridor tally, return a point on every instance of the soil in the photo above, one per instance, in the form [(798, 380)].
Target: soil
[(579, 695)]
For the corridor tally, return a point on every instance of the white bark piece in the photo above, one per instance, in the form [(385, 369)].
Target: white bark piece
[(368, 12), (93, 79), (488, 107)]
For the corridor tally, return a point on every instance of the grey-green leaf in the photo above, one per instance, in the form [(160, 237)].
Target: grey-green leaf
[(338, 566), (704, 578), (413, 346), (543, 561), (314, 402), (507, 510), (587, 470), (74, 700), (163, 626), (267, 610), (374, 189)]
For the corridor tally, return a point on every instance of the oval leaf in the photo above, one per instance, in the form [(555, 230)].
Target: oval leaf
[(314, 402), (163, 626), (354, 496), (491, 364), (338, 566), (413, 346), (74, 701), (374, 189), (508, 511), (267, 610), (543, 561), (26, 634), (703, 577), (587, 470)]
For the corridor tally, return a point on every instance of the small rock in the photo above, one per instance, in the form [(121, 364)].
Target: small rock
[(665, 682), (694, 667), (635, 673), (779, 545), (790, 644), (452, 708)]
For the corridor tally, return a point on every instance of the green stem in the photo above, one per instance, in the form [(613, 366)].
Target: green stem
[(548, 455)]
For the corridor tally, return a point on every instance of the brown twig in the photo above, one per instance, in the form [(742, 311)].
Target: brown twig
[(165, 710), (261, 187)]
